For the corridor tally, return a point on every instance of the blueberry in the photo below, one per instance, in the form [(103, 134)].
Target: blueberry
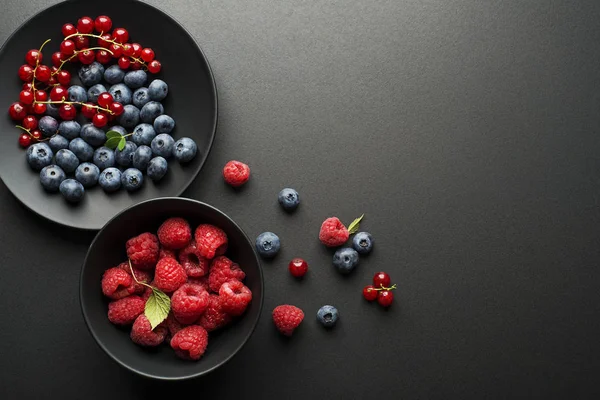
[(132, 179), (52, 110), (39, 155), (288, 199), (69, 129), (345, 259), (362, 242), (164, 124), (143, 134), (91, 74), (94, 92), (82, 150), (150, 111), (130, 116), (67, 160), (185, 150), (87, 174), (142, 157), (58, 142), (141, 97), (51, 176), (328, 316), (92, 135), (72, 190), (48, 125), (135, 79), (120, 93), (77, 93), (125, 157), (119, 129), (110, 179), (158, 90), (162, 145), (104, 158), (268, 244), (114, 74), (157, 168)]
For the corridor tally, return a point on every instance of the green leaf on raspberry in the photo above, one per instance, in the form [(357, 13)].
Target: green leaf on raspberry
[(122, 143), (355, 225), (157, 308)]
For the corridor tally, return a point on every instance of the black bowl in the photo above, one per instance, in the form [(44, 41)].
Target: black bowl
[(108, 250)]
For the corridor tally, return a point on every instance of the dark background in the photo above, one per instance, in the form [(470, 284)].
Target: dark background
[(465, 130)]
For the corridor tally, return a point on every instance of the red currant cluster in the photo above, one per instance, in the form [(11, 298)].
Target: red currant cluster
[(42, 81), (380, 290)]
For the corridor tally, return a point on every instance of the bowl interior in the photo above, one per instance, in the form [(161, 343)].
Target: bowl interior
[(108, 250)]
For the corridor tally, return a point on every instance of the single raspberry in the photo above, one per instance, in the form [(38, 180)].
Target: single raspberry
[(142, 250), (210, 241), (333, 232), (169, 275), (235, 297), (236, 173), (287, 318), (189, 302), (190, 342), (164, 253), (116, 283), (222, 270), (214, 317), (125, 310), (142, 333), (203, 281), (173, 325), (141, 276), (175, 233), (194, 264)]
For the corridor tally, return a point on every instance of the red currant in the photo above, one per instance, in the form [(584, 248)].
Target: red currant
[(58, 93), (104, 41), (85, 25), (124, 62), (385, 298), (37, 135), (26, 97), (63, 77), (100, 120), (147, 54), (103, 57), (116, 108), (154, 66), (369, 293), (127, 49), (67, 112), (116, 49), (137, 50), (111, 117), (136, 65), (86, 56), (30, 122), (33, 56), (42, 73), (17, 111), (81, 42), (39, 108), (57, 59), (27, 86), (102, 24), (26, 73), (41, 95), (67, 47), (121, 35), (298, 267), (88, 110), (68, 29), (52, 81), (381, 279), (24, 140), (105, 99)]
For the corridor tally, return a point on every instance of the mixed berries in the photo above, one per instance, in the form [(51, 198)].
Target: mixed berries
[(380, 290)]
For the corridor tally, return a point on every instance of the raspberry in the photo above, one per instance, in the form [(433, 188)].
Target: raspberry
[(333, 232), (190, 342), (142, 250), (210, 241), (164, 253), (126, 310), (175, 233), (142, 276), (235, 297), (147, 291), (142, 333), (169, 275), (222, 270), (189, 302), (173, 325), (116, 283), (214, 317), (194, 265), (203, 281), (287, 318), (236, 173)]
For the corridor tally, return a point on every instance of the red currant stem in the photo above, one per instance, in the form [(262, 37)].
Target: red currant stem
[(386, 288), (75, 55), (63, 101), (25, 129), (135, 279)]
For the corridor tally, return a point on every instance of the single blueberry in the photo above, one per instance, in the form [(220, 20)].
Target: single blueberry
[(58, 142), (143, 134), (87, 174), (94, 92), (52, 110), (135, 79), (81, 149), (130, 117), (125, 157), (158, 90), (120, 93), (268, 244), (141, 97), (48, 125), (132, 179), (185, 150), (157, 168), (119, 129), (110, 179), (77, 93), (150, 111), (345, 259), (362, 242), (72, 190), (92, 135), (328, 316), (69, 129), (114, 75), (91, 74), (164, 124), (39, 155), (162, 145), (51, 177), (104, 158), (288, 199), (67, 160), (142, 157)]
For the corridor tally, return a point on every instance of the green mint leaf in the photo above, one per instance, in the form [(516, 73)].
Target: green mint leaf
[(112, 134), (157, 308), (113, 142), (355, 225), (122, 143)]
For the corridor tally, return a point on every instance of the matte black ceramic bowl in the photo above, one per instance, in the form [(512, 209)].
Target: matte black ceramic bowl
[(108, 250)]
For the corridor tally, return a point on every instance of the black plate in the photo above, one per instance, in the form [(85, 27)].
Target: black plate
[(161, 362), (192, 102)]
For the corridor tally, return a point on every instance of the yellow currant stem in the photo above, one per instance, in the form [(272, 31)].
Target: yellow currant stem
[(75, 55), (25, 129), (94, 36), (63, 101), (386, 288), (43, 44)]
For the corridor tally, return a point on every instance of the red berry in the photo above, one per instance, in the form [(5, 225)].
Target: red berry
[(63, 77), (385, 298), (124, 311), (190, 342), (105, 99), (81, 42), (127, 49), (105, 40), (33, 57), (30, 122), (136, 65), (26, 97), (143, 335), (298, 267), (194, 264), (58, 93), (154, 66), (27, 86), (120, 35), (41, 95), (52, 81), (57, 59), (116, 108), (333, 233), (222, 270), (39, 108), (287, 318), (124, 62), (86, 57), (68, 29), (100, 120), (214, 317), (102, 24), (67, 48), (103, 57), (210, 240), (26, 73), (17, 111), (24, 140), (88, 110), (381, 279), (137, 50), (236, 173), (235, 297), (189, 302), (169, 275), (147, 54), (36, 134), (174, 233), (85, 25), (117, 50), (67, 112), (369, 293), (142, 250)]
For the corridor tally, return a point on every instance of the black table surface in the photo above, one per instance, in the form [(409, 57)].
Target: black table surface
[(465, 130)]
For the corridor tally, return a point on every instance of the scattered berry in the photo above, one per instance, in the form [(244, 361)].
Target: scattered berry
[(169, 275), (328, 316), (189, 302), (190, 342), (333, 233), (362, 242), (385, 298), (267, 244), (235, 297), (236, 173), (126, 310), (381, 280), (298, 267), (287, 318), (142, 333), (174, 233), (211, 241), (370, 293), (85, 25), (142, 250), (345, 260), (288, 199)]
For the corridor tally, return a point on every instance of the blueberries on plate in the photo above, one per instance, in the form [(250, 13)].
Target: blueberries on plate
[(345, 260), (58, 142), (104, 158), (51, 177), (130, 117), (125, 157), (39, 155), (91, 74), (132, 179), (94, 92), (143, 134), (150, 111), (77, 93), (67, 160), (114, 75), (141, 97), (72, 190), (328, 316), (288, 199), (87, 174), (158, 90), (110, 179), (268, 244), (81, 149), (157, 168), (162, 145), (142, 157), (69, 129), (185, 150), (135, 79), (120, 93), (48, 125), (164, 124), (362, 242), (92, 135)]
